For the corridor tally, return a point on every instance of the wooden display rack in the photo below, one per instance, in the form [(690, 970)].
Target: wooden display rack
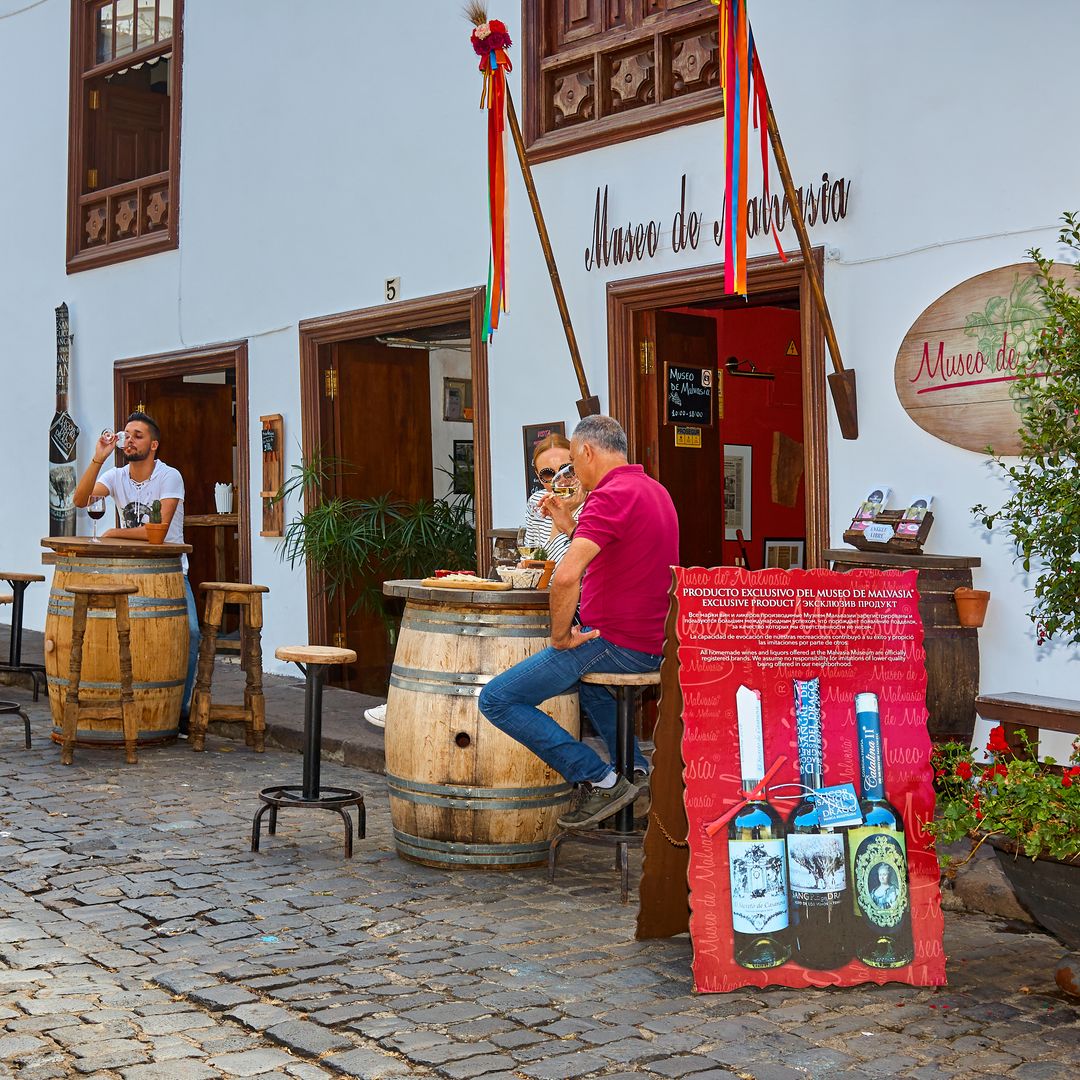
[(909, 544), (273, 475)]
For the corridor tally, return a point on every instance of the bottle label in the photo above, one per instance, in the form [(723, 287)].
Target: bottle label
[(838, 806), (879, 874), (816, 864), (758, 886)]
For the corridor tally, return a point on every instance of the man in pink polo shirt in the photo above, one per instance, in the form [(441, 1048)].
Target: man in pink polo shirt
[(618, 566)]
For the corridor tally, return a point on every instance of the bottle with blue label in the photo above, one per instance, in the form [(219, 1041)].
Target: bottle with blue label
[(877, 854), (756, 854), (817, 870)]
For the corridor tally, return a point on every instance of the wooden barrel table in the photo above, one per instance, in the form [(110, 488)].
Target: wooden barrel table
[(159, 635), (952, 650), (463, 795)]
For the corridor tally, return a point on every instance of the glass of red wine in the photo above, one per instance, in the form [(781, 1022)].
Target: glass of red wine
[(95, 508)]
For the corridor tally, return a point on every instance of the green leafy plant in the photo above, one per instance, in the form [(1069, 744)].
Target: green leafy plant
[(359, 543), (1032, 804), (1042, 513), (155, 512)]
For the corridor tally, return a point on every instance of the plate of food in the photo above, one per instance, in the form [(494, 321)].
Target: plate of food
[(461, 579)]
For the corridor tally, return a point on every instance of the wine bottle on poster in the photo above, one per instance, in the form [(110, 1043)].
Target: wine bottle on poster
[(878, 857), (817, 871), (756, 856), (63, 439)]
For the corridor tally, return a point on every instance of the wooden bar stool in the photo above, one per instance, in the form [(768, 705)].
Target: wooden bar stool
[(104, 597), (312, 660), (626, 689), (19, 584), (253, 711)]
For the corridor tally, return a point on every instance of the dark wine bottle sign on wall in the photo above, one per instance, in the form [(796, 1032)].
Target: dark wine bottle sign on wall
[(808, 866), (63, 439)]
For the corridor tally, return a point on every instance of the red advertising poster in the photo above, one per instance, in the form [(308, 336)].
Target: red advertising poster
[(807, 772)]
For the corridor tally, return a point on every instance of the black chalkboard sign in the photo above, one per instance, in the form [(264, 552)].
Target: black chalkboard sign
[(689, 394)]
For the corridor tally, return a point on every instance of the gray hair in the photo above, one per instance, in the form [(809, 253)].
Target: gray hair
[(603, 432)]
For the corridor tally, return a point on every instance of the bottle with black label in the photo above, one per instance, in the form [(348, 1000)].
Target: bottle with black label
[(756, 858), (63, 434), (878, 857), (817, 874)]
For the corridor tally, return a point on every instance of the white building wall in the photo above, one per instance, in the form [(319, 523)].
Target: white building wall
[(323, 155)]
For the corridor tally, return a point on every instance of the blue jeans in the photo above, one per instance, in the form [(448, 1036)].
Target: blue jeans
[(509, 702), (194, 635)]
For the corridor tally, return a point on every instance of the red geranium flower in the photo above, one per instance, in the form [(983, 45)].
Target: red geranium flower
[(1001, 769), (1066, 780), (963, 770), (998, 744)]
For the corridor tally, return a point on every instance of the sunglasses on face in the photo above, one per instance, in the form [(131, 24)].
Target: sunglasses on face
[(546, 475)]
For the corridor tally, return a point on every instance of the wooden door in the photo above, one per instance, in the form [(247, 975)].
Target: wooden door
[(132, 135), (382, 425), (691, 473), (198, 437)]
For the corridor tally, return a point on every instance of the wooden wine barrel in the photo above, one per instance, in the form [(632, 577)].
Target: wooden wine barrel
[(159, 636), (462, 793), (952, 650)]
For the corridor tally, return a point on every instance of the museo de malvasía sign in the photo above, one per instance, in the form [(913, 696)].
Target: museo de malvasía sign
[(956, 369)]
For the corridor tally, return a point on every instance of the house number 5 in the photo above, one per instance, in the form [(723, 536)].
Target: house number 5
[(393, 288)]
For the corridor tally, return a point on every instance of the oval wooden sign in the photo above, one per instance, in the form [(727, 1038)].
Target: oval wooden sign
[(956, 369)]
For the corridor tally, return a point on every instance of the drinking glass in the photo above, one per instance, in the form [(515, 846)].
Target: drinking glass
[(524, 549), (565, 482), (95, 508)]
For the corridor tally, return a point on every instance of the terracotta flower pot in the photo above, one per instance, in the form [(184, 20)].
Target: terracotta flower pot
[(155, 532), (971, 605)]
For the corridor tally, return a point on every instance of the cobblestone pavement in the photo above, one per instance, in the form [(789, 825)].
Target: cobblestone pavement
[(141, 939)]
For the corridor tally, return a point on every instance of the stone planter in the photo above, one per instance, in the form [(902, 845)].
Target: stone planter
[(1047, 888)]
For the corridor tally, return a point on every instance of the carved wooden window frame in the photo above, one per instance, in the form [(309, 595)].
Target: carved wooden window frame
[(140, 217), (674, 41)]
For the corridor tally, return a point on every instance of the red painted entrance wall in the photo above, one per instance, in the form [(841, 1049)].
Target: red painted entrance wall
[(755, 408)]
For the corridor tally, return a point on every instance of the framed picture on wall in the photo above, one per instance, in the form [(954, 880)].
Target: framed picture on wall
[(531, 434), (738, 461), (457, 400), (784, 554), (463, 467)]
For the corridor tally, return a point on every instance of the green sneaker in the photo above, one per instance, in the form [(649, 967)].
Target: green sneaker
[(599, 804)]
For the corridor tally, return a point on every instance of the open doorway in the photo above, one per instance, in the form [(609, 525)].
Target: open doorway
[(397, 397), (199, 399), (723, 403)]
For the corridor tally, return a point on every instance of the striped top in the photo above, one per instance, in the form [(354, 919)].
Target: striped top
[(538, 529)]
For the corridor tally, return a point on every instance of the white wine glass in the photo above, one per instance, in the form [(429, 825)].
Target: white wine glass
[(95, 510), (524, 549), (564, 483)]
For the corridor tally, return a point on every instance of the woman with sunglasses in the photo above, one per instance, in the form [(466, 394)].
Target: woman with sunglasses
[(549, 456)]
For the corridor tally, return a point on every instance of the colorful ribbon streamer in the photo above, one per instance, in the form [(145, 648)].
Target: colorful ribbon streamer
[(713, 827), (740, 67), (494, 65)]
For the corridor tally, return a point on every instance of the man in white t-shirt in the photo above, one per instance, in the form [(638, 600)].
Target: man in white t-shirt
[(135, 487)]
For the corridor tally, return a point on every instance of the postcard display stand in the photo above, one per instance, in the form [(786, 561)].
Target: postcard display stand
[(807, 773)]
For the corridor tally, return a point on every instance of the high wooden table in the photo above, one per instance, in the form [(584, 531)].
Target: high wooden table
[(464, 795), (159, 634)]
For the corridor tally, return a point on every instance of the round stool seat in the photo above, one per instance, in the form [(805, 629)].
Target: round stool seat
[(10, 575), (6, 598), (609, 678), (13, 708), (315, 654), (233, 586), (104, 589)]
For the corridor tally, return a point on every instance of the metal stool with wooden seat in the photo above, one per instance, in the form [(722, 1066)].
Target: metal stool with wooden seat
[(626, 689), (103, 597), (312, 660), (19, 584), (253, 711)]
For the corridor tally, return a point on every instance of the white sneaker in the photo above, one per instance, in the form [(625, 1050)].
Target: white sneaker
[(376, 716)]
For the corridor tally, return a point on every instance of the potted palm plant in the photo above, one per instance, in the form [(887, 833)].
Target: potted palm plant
[(359, 543)]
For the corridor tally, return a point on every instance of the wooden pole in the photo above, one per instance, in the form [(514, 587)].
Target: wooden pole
[(589, 405), (841, 379)]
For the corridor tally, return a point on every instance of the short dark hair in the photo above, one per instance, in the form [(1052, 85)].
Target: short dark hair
[(142, 418)]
